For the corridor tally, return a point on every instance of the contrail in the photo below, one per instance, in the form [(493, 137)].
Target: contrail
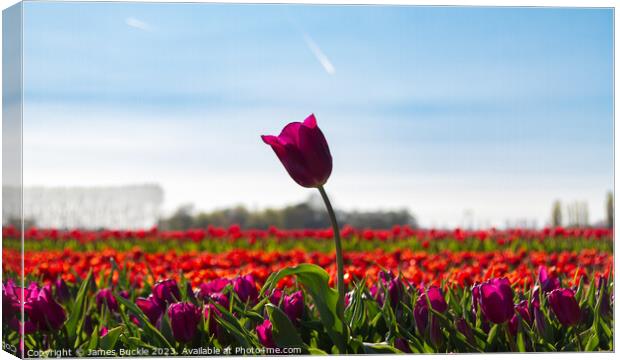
[(320, 55), (137, 23)]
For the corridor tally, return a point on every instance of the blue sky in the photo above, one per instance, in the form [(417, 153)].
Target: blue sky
[(446, 111)]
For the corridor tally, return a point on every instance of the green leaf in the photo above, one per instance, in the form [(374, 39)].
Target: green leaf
[(148, 327), (376, 348), (108, 341), (315, 351), (520, 342), (230, 323), (592, 342), (284, 332), (77, 311), (493, 334), (316, 281)]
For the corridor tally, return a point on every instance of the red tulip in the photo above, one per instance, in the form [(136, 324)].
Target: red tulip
[(303, 150)]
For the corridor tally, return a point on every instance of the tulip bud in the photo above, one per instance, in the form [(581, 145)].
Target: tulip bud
[(604, 296), (539, 320), (166, 292), (245, 287), (265, 334), (547, 283), (212, 287), (62, 290), (150, 308), (436, 335), (496, 300), (45, 312), (402, 345), (524, 311), (420, 311), (211, 311), (184, 319), (303, 150), (565, 306), (463, 327), (106, 297), (276, 297), (293, 306)]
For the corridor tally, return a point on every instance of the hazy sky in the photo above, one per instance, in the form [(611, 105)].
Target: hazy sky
[(454, 113)]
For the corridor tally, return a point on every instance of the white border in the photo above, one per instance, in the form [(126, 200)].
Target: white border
[(506, 3)]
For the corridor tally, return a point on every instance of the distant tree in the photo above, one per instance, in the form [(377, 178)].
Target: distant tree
[(556, 214), (578, 214), (180, 220), (309, 215), (610, 209)]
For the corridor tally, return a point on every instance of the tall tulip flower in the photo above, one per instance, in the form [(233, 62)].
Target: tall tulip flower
[(564, 306), (303, 150)]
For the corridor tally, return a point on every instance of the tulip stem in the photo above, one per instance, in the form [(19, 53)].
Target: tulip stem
[(339, 260)]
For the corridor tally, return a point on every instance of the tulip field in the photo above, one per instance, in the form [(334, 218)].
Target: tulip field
[(244, 291), (234, 291)]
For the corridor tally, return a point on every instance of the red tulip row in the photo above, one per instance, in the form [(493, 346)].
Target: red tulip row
[(463, 267), (236, 232)]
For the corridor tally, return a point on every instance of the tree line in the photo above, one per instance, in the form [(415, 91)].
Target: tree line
[(309, 214)]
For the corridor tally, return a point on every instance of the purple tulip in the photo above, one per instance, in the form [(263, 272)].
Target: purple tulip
[(44, 311), (604, 296), (293, 306), (106, 297), (394, 288), (276, 296), (265, 334), (211, 311), (62, 290), (496, 300), (347, 299), (245, 287), (436, 335), (212, 287), (184, 319), (463, 327), (166, 292), (420, 311), (565, 306), (150, 308), (303, 150), (539, 320), (10, 300), (402, 345), (547, 283), (475, 298), (524, 311), (535, 302)]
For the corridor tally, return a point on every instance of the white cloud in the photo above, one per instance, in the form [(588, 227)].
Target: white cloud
[(320, 55), (137, 23)]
